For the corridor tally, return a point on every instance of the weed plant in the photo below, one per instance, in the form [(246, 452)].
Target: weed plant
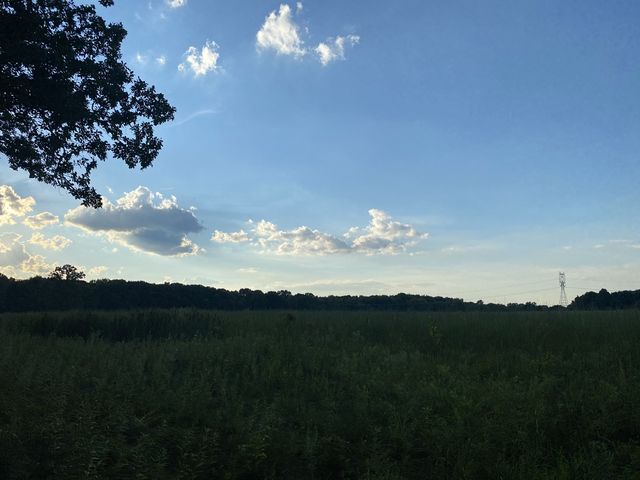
[(187, 394)]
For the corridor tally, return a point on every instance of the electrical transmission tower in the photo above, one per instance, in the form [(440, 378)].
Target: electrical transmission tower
[(563, 294)]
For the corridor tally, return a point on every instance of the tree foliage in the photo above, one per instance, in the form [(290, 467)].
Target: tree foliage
[(67, 100), (67, 272)]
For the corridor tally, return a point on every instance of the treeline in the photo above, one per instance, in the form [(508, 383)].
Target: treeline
[(43, 294), (46, 294), (603, 300)]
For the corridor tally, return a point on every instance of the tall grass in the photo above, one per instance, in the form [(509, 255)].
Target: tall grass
[(196, 394)]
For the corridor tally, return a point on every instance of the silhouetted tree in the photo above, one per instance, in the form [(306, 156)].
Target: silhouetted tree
[(67, 99), (67, 272)]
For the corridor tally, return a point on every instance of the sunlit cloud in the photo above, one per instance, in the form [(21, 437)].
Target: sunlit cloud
[(41, 220), (383, 235), (142, 221), (233, 237), (57, 242), (333, 49), (202, 62), (97, 271), (176, 3), (37, 265), (14, 257), (281, 34), (13, 205)]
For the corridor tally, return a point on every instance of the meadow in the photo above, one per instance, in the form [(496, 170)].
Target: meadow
[(197, 394)]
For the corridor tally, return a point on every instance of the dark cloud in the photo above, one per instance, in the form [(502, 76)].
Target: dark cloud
[(143, 221)]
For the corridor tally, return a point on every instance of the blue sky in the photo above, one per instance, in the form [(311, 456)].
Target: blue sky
[(478, 148)]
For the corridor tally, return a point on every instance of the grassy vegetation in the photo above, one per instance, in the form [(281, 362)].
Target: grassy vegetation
[(194, 394)]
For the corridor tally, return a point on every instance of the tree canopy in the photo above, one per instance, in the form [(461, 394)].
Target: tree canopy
[(67, 100), (67, 272)]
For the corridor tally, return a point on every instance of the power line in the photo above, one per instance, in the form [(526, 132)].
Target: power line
[(521, 293)]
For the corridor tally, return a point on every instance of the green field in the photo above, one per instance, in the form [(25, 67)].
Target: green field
[(252, 395)]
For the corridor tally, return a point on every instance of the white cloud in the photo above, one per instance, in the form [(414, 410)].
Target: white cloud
[(382, 236), (200, 63), (57, 242), (12, 250), (333, 49), (232, 237), (97, 271), (36, 265), (41, 220), (280, 33), (161, 60), (140, 58), (176, 3), (249, 270), (14, 257), (13, 205), (143, 221), (299, 241)]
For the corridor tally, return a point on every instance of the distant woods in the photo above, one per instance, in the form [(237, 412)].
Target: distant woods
[(64, 290)]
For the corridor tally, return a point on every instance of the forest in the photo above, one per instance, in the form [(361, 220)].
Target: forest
[(43, 294)]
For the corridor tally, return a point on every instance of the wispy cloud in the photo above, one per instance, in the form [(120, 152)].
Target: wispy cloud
[(383, 235), (333, 49), (192, 116)]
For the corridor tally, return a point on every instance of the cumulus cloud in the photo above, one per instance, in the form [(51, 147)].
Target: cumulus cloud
[(14, 257), (333, 49), (41, 220), (200, 63), (383, 235), (161, 60), (280, 33), (232, 237), (36, 265), (143, 221), (176, 3), (12, 250), (13, 205), (57, 242)]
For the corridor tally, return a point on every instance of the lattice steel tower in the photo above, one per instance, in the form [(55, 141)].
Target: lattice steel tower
[(563, 294)]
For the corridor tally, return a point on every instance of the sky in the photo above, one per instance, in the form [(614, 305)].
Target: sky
[(466, 149)]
